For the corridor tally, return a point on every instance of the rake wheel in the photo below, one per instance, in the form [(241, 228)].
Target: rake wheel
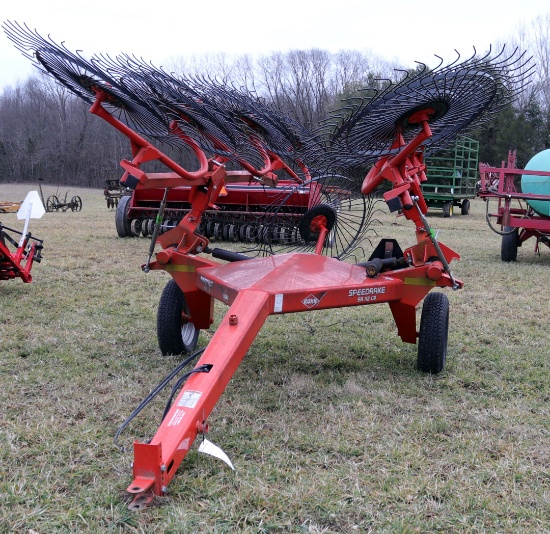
[(455, 97), (85, 79), (263, 124), (293, 221)]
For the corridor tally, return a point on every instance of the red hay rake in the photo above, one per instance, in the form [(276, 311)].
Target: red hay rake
[(19, 250), (297, 264), (17, 258)]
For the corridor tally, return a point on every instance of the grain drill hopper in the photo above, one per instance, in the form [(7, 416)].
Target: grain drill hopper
[(318, 211)]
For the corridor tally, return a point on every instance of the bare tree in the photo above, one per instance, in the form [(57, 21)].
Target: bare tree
[(540, 43)]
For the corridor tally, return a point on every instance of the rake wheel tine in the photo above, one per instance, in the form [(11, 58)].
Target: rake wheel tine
[(471, 90)]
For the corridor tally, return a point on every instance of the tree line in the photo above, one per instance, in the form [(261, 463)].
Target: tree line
[(47, 133)]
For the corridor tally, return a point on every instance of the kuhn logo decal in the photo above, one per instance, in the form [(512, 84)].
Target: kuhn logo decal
[(313, 300)]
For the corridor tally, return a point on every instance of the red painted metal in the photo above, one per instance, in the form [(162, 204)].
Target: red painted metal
[(257, 288), (499, 183), (18, 263)]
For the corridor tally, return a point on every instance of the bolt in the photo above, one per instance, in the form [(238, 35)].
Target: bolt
[(202, 428), (233, 320)]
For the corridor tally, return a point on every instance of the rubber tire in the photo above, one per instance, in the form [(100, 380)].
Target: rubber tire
[(465, 207), (174, 335), (509, 246), (433, 334), (122, 223), (448, 209), (306, 233)]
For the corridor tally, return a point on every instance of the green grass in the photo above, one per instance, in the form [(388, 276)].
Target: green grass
[(329, 425)]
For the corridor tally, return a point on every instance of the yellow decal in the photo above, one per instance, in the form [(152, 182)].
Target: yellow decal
[(419, 282), (180, 268)]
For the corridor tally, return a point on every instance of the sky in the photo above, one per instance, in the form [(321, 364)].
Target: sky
[(400, 31)]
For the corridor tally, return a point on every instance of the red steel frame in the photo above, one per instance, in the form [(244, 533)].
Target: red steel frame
[(257, 288), (247, 195), (18, 264), (498, 182)]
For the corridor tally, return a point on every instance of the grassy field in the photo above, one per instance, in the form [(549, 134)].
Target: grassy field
[(328, 423)]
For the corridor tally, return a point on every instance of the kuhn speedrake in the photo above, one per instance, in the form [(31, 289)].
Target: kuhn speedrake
[(318, 211)]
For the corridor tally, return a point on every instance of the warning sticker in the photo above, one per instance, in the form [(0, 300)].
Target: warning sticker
[(189, 399), (184, 445), (278, 308), (176, 418)]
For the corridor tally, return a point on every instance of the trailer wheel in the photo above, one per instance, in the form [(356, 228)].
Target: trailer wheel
[(123, 225), (176, 333), (448, 209), (433, 335), (509, 246), (465, 207)]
